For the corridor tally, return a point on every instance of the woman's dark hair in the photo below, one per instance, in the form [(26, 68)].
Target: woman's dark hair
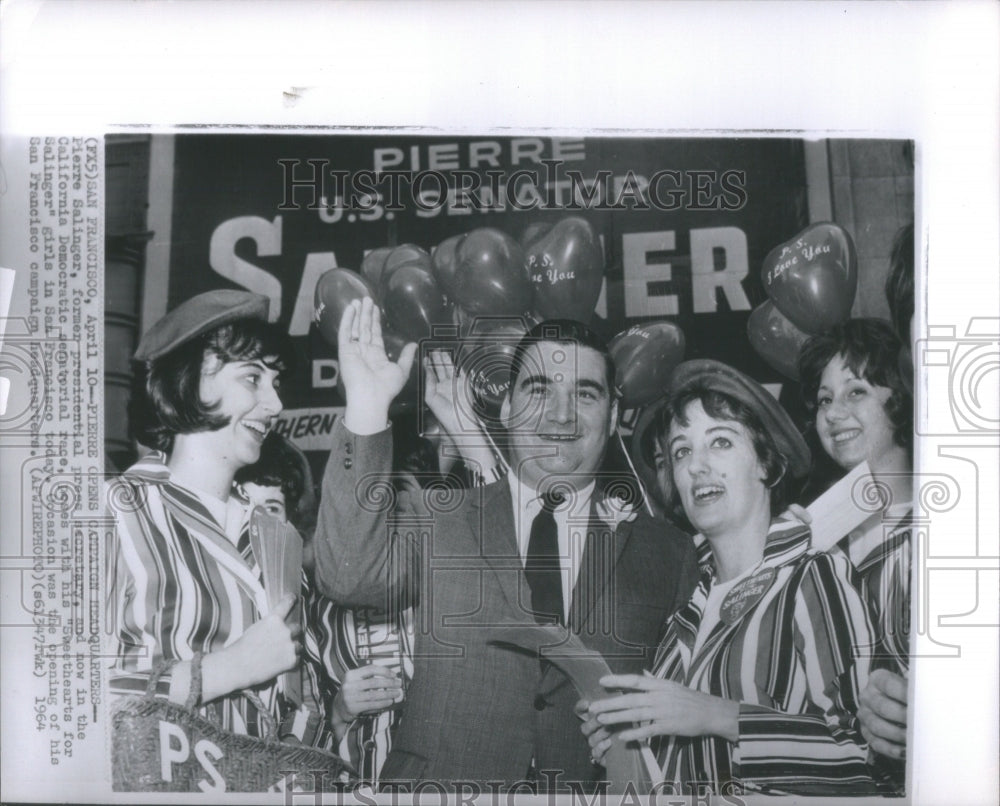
[(166, 398), (723, 407), (280, 465), (899, 284), (870, 349)]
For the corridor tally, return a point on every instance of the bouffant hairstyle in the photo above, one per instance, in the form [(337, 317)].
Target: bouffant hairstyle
[(870, 349), (166, 398), (899, 284), (283, 466), (723, 407)]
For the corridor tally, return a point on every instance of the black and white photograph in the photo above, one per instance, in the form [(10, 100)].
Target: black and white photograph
[(526, 319), (457, 454)]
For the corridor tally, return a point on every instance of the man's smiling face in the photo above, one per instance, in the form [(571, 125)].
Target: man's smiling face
[(560, 414)]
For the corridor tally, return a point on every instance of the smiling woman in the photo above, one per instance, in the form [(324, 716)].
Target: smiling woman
[(853, 383), (187, 584), (757, 678)]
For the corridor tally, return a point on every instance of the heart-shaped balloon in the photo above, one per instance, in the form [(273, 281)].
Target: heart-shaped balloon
[(566, 265), (645, 357), (409, 397), (337, 289), (467, 323), (443, 263), (404, 255), (490, 276), (486, 354), (775, 339), (413, 302), (373, 265), (533, 232), (813, 277)]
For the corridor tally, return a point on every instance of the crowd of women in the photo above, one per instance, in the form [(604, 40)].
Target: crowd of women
[(787, 664)]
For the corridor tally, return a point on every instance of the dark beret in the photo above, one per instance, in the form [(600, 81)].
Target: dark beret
[(199, 315), (705, 373)]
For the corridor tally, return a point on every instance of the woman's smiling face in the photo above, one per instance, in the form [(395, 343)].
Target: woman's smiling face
[(247, 393), (716, 471), (851, 419)]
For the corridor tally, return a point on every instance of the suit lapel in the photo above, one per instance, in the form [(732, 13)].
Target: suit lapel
[(491, 518), (602, 550)]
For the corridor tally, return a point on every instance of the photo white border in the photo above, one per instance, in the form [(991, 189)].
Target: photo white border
[(927, 71)]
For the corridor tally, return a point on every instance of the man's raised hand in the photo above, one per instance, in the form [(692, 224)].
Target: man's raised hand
[(371, 380), (448, 394)]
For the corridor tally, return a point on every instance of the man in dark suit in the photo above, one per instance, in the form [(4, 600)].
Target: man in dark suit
[(531, 547)]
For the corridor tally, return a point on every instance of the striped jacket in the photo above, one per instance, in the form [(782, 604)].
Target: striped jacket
[(340, 639), (884, 573), (180, 587), (883, 565), (791, 662)]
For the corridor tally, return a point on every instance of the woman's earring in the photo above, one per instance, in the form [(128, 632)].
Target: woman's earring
[(781, 475)]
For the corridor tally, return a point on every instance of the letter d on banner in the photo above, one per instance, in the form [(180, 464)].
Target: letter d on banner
[(6, 291)]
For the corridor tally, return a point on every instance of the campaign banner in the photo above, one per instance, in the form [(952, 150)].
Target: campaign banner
[(683, 226)]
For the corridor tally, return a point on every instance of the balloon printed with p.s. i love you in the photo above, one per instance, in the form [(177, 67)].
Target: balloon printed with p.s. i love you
[(566, 265), (813, 277)]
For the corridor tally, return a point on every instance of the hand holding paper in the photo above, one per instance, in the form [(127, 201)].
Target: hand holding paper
[(277, 547)]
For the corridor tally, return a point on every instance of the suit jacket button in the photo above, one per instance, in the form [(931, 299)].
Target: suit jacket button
[(348, 448), (348, 464), (540, 703)]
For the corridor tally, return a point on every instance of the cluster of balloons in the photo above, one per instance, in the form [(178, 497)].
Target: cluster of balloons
[(811, 281), (484, 286), (487, 289)]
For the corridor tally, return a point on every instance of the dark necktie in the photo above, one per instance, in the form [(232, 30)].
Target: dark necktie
[(542, 565)]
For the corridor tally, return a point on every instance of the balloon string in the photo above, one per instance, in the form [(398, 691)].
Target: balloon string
[(642, 487), (493, 447)]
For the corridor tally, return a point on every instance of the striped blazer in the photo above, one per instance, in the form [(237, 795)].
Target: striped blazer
[(791, 662), (180, 587), (884, 576), (884, 573), (340, 639)]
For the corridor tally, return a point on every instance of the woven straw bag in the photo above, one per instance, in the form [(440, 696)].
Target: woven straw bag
[(160, 746)]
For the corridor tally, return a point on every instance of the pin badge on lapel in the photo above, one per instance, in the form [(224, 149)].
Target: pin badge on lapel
[(745, 595)]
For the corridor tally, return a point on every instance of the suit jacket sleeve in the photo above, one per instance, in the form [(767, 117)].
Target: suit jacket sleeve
[(365, 555)]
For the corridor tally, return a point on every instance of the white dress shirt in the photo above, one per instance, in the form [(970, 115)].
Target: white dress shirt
[(572, 518)]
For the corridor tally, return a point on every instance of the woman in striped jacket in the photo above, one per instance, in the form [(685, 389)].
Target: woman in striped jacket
[(187, 587), (756, 682), (853, 384)]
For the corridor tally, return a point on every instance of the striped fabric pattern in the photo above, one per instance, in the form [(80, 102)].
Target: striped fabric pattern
[(339, 639), (791, 661), (181, 587), (885, 581)]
